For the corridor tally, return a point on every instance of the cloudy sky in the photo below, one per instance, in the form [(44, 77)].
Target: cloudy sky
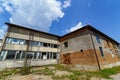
[(62, 16)]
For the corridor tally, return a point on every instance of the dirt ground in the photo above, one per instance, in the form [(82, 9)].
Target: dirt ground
[(43, 77)]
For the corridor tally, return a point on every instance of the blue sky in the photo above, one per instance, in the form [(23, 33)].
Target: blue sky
[(62, 16)]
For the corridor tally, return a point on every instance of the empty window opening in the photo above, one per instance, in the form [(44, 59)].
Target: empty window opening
[(81, 50), (66, 44), (44, 56), (101, 51), (54, 56), (108, 43)]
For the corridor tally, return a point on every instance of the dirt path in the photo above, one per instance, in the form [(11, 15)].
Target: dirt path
[(116, 77)]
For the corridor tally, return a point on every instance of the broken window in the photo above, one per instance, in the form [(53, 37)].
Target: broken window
[(66, 44), (39, 55), (10, 54), (54, 55), (44, 56), (45, 44), (55, 46), (101, 51), (47, 55), (35, 55), (51, 56), (108, 43), (18, 54)]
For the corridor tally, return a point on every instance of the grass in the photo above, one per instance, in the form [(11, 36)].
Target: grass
[(75, 74), (6, 72)]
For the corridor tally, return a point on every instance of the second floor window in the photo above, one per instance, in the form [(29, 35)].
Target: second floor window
[(98, 39), (66, 44)]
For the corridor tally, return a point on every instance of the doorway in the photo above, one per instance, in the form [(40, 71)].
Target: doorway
[(66, 58)]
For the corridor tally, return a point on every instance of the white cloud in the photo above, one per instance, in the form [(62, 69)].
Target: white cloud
[(78, 26), (67, 3), (37, 14), (1, 10)]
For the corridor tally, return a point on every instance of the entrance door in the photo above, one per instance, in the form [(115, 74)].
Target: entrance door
[(66, 58)]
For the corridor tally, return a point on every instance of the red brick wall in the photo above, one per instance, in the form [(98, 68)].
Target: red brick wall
[(87, 57)]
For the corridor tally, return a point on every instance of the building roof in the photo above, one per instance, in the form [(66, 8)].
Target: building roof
[(92, 29), (85, 27), (15, 25)]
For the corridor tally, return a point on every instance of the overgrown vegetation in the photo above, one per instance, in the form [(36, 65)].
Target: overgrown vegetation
[(74, 74)]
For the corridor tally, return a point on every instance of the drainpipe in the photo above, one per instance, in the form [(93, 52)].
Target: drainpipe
[(95, 51)]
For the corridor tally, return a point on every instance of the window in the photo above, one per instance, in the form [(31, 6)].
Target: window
[(55, 46), (30, 55), (98, 39), (101, 51), (35, 55), (10, 55), (45, 44), (108, 44), (18, 54), (3, 55), (65, 44), (52, 45), (15, 41), (23, 55), (34, 43), (47, 55), (51, 56), (8, 40), (44, 56), (22, 42), (39, 55), (54, 55)]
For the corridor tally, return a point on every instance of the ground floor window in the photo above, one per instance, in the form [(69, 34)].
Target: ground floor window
[(11, 55), (19, 55)]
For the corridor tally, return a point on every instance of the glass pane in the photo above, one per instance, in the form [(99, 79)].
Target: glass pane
[(22, 41), (15, 41), (39, 55), (11, 55)]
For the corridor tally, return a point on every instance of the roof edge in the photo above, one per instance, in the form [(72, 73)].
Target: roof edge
[(10, 24)]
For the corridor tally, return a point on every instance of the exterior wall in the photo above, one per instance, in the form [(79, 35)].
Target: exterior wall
[(14, 64), (29, 35), (81, 52), (19, 33), (109, 59)]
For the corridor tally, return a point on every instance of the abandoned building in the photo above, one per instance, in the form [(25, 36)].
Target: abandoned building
[(86, 48)]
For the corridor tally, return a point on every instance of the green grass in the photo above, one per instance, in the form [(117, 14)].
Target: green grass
[(5, 72), (75, 74)]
